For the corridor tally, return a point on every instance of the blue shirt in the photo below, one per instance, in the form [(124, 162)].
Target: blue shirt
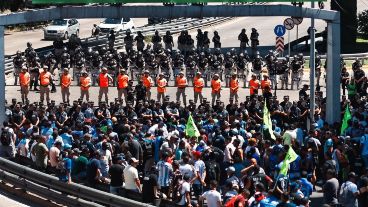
[(67, 139), (68, 168), (157, 144), (306, 187), (270, 201), (364, 142)]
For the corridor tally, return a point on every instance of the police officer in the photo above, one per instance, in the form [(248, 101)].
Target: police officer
[(161, 87), (206, 41), (229, 66), (24, 80), (244, 40), (254, 41), (295, 72), (216, 88), (283, 71), (140, 41), (104, 79), (178, 63), (45, 80), (181, 42), (112, 67), (242, 67), (257, 66), (96, 65), (191, 67), (344, 79), (189, 42), (33, 67), (156, 39), (271, 67), (199, 38), (216, 40), (318, 67), (234, 88), (18, 62), (66, 81), (28, 51), (198, 84), (122, 85), (181, 83), (168, 40), (128, 41)]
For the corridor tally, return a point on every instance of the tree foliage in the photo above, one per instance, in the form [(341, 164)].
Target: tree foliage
[(363, 22)]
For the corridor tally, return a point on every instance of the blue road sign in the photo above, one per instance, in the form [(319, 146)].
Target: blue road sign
[(280, 30)]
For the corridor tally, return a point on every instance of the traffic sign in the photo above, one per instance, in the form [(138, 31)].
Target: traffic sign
[(280, 44), (289, 23), (297, 20), (279, 30)]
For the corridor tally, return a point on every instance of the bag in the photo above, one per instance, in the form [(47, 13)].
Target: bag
[(61, 171), (211, 173), (6, 137), (344, 194), (176, 195), (148, 149)]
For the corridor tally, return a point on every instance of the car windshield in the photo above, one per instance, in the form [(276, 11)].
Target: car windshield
[(112, 21), (59, 22)]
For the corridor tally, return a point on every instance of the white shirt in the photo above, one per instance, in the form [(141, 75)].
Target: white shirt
[(54, 156), (184, 189), (23, 147), (200, 167), (212, 197), (130, 175), (186, 169), (228, 152)]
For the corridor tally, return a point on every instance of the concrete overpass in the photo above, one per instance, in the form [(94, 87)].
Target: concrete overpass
[(331, 17)]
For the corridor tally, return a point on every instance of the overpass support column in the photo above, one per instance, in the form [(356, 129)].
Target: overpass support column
[(333, 73), (2, 76)]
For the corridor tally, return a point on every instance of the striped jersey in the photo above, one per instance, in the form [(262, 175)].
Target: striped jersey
[(200, 167), (164, 173)]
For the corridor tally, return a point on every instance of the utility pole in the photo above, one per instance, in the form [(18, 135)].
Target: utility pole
[(312, 65)]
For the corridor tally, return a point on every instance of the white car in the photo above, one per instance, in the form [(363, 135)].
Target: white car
[(63, 28), (117, 25)]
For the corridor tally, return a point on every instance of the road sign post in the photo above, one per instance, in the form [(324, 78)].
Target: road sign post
[(289, 25), (312, 67), (280, 45)]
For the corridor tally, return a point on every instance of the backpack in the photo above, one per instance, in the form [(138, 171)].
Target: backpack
[(6, 137), (176, 194), (61, 171), (211, 173), (148, 148), (344, 194)]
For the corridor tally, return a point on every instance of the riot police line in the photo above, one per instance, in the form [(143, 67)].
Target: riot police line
[(159, 57)]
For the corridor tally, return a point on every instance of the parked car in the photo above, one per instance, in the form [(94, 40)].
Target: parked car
[(63, 28), (118, 25)]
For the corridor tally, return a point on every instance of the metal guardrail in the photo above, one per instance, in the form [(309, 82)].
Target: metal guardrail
[(174, 26), (49, 186)]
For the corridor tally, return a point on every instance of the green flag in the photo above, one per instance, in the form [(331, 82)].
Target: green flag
[(191, 129), (347, 117), (289, 158), (267, 121)]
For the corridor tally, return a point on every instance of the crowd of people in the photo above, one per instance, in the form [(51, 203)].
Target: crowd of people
[(232, 159)]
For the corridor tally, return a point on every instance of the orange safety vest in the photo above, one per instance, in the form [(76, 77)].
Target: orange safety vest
[(234, 85), (161, 85), (198, 84), (45, 78), (24, 79), (181, 82), (265, 83), (123, 81), (85, 83), (147, 82), (216, 86), (66, 80), (104, 80), (253, 86)]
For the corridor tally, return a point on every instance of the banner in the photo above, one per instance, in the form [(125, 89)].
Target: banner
[(347, 117), (191, 129), (289, 158), (150, 1), (267, 121)]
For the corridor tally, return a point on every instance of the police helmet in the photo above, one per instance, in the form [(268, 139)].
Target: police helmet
[(29, 44)]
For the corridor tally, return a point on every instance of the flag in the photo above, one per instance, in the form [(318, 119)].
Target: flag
[(267, 121), (191, 129), (289, 158), (347, 117)]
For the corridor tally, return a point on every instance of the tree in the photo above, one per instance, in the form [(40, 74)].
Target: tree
[(363, 22)]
